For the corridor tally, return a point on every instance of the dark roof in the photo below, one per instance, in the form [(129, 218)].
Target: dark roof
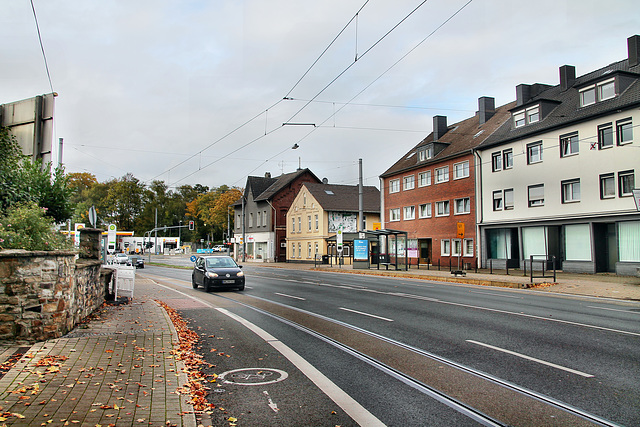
[(281, 182), (344, 198), (568, 110), (461, 137)]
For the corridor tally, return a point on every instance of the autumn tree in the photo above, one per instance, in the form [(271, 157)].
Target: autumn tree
[(124, 201)]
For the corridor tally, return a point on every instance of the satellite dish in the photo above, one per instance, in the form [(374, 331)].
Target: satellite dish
[(325, 181)]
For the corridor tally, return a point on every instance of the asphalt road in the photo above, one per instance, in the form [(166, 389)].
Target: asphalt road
[(424, 353)]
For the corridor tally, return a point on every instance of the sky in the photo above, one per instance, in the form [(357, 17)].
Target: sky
[(199, 91)]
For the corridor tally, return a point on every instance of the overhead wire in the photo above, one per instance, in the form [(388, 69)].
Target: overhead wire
[(44, 55)]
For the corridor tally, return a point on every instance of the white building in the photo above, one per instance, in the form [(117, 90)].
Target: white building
[(557, 179)]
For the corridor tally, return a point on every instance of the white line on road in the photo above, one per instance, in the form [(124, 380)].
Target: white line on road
[(495, 295), (613, 309), (356, 411), (533, 359), (290, 296), (366, 314)]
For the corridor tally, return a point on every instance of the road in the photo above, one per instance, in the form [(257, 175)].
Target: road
[(413, 352)]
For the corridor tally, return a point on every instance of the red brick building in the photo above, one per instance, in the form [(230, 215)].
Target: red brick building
[(431, 190)]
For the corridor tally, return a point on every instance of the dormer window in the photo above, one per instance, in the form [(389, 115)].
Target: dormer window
[(527, 116), (597, 92), (425, 154)]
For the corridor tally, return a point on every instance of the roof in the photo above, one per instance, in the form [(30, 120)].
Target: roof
[(461, 138), (344, 198), (281, 182), (567, 110)]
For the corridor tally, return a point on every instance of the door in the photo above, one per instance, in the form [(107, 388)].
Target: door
[(425, 251), (606, 251)]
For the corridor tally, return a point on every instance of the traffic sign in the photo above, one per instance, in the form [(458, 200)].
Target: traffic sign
[(93, 216), (193, 258), (460, 230)]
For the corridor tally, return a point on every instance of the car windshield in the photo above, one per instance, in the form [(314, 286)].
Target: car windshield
[(220, 263)]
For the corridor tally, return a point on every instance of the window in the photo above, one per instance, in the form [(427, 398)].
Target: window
[(461, 170), (598, 92), (293, 250), (299, 250), (626, 183), (607, 186), (309, 251), (526, 117), (251, 219), (536, 195), (394, 186), (424, 179), (264, 218), (239, 221), (468, 247), (309, 222), (304, 199), (588, 96), (316, 222), (293, 225), (425, 211), (534, 152), (445, 247), (463, 206), (442, 208), (409, 182), (259, 219), (442, 174), (409, 212), (394, 214), (508, 158), (508, 199), (571, 191), (496, 161), (569, 145), (299, 224), (605, 136), (457, 247), (497, 200), (624, 132), (425, 154), (316, 248)]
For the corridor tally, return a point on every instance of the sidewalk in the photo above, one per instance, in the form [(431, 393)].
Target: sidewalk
[(117, 369)]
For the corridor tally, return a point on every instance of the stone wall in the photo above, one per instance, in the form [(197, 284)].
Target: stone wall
[(44, 294)]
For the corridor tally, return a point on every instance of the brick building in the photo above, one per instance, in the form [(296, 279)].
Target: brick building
[(431, 189)]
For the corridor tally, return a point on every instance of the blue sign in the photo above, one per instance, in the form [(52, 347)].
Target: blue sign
[(193, 258), (361, 250)]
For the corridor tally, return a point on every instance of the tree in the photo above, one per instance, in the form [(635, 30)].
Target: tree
[(124, 201), (213, 208)]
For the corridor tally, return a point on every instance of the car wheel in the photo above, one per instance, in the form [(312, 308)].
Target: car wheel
[(193, 282), (241, 287), (206, 286)]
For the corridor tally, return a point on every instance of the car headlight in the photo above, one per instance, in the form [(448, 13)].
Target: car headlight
[(240, 274), (211, 274)]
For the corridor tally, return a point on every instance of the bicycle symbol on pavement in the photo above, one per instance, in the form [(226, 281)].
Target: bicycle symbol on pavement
[(253, 376)]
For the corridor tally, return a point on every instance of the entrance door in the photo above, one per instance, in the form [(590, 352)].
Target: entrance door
[(604, 240), (425, 251)]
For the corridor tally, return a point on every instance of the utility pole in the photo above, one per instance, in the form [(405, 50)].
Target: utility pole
[(155, 244), (361, 224)]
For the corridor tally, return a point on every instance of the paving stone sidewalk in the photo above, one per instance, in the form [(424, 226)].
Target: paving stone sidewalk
[(116, 369)]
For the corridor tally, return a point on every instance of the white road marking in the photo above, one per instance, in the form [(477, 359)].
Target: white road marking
[(290, 296), (366, 314), (533, 359), (356, 411), (613, 309), (271, 404)]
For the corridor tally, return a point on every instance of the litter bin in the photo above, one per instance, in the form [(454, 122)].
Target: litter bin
[(325, 259)]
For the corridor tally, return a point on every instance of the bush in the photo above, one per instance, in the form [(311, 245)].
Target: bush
[(26, 226)]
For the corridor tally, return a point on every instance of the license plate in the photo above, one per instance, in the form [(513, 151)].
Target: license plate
[(228, 282)]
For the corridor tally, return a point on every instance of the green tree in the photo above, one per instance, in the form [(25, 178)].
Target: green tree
[(124, 201)]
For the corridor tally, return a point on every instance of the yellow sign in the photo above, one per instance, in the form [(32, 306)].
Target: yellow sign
[(377, 226), (460, 230)]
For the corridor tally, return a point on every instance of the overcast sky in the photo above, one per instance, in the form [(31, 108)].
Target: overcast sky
[(192, 91)]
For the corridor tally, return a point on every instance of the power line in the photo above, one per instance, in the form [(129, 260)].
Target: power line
[(46, 65)]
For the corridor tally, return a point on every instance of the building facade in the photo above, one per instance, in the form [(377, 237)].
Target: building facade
[(430, 192), (557, 177), (260, 215), (319, 211)]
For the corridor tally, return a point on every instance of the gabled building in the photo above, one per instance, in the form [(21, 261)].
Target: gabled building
[(556, 178), (431, 189), (319, 211), (260, 215)]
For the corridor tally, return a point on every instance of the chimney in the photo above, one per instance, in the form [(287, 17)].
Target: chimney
[(633, 46), (567, 76), (267, 174), (439, 127), (523, 94), (487, 108)]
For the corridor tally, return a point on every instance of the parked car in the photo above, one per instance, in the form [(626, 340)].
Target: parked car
[(220, 248), (219, 272), (121, 259), (136, 260)]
